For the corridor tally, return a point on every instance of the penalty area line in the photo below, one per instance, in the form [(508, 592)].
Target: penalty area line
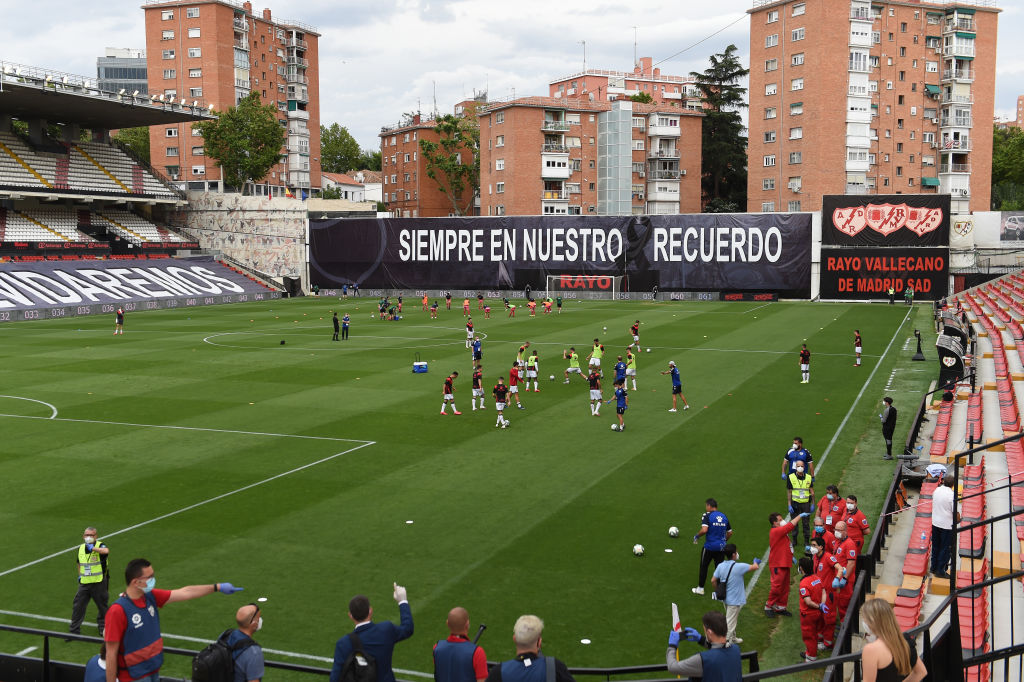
[(190, 507)]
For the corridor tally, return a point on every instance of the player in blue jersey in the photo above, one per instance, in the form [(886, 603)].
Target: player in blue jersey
[(715, 528), (677, 385)]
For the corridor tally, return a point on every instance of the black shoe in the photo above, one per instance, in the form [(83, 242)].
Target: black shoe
[(783, 612), (887, 457), (771, 613), (941, 574)]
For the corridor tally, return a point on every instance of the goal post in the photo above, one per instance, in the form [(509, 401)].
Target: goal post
[(584, 286)]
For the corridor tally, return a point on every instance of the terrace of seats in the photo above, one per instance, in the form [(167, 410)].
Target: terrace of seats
[(62, 223)]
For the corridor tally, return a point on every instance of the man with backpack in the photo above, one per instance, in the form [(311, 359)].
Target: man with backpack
[(729, 588), (235, 656), (364, 655), (530, 665)]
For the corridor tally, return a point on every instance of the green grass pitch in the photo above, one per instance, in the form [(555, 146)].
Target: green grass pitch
[(299, 467)]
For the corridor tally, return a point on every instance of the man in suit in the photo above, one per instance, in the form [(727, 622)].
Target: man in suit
[(377, 639)]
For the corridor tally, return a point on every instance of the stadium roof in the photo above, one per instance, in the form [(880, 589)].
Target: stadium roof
[(29, 93)]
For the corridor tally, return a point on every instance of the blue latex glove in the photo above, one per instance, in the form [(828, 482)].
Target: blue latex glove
[(691, 634), (228, 588), (842, 583), (804, 514), (783, 477), (695, 537), (835, 584), (791, 510), (89, 546), (673, 638), (757, 561), (825, 609), (812, 480)]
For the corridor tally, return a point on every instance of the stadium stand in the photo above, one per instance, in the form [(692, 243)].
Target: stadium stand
[(135, 229), (43, 224)]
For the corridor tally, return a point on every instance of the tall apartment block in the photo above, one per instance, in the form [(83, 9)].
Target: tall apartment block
[(407, 190), (551, 156), (606, 86), (870, 97), (218, 52), (122, 68)]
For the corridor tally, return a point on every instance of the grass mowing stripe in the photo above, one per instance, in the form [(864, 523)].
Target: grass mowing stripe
[(193, 506), (839, 429)]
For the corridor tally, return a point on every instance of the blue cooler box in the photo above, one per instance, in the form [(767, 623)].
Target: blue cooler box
[(419, 368)]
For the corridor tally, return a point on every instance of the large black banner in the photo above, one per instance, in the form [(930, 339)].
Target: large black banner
[(868, 273), (885, 220), (739, 252)]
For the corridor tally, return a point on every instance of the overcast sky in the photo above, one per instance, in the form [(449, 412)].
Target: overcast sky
[(381, 59)]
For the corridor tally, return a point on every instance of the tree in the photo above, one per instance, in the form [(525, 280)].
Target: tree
[(245, 140), (136, 139), (453, 162), (1007, 169), (330, 193), (369, 160), (724, 153), (339, 152), (642, 97)]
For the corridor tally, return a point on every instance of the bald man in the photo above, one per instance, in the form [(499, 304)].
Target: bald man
[(247, 653), (457, 659)]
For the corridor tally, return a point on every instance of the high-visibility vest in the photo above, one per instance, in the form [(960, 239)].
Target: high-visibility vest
[(801, 489), (598, 352), (90, 565)]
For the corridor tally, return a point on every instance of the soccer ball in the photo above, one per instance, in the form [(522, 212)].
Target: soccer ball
[(615, 427), (552, 377), (505, 424), (604, 328), (638, 550), (673, 532), (648, 350)]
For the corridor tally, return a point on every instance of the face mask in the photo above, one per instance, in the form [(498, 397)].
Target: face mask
[(850, 507), (150, 584), (796, 446), (840, 536), (799, 470), (814, 550), (819, 529), (830, 496), (259, 624), (737, 556), (89, 540)]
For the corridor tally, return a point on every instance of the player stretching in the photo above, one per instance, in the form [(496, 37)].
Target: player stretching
[(594, 359), (521, 360), (574, 364), (532, 369), (119, 321), (478, 387), (805, 365), (449, 393), (433, 310), (595, 393), (631, 367), (469, 332), (857, 347), (499, 392), (513, 384), (621, 399), (635, 331)]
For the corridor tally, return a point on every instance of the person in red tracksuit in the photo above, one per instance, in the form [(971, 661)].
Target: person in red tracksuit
[(825, 570), (845, 562), (780, 558), (814, 609), (831, 507), (856, 523)]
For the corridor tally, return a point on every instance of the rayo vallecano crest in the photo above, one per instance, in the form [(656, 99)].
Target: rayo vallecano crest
[(886, 219)]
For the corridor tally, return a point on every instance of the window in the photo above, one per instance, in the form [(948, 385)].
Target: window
[(767, 206), (195, 52), (638, 122), (798, 84), (169, 73), (192, 13), (199, 170), (168, 54), (899, 124), (195, 73), (590, 186), (499, 188), (499, 141), (638, 145), (903, 52), (796, 133), (876, 37), (772, 40), (885, 182), (769, 136), (499, 117), (771, 64), (172, 151), (799, 9), (903, 27), (167, 15), (195, 93), (796, 34), (167, 35), (772, 16), (406, 158), (899, 147), (796, 108), (574, 142), (196, 132), (798, 59), (873, 61), (903, 76), (769, 160), (931, 67), (796, 157), (770, 112), (193, 33), (572, 119), (575, 164), (770, 89), (768, 184), (888, 85), (198, 151), (794, 205), (899, 171), (499, 210), (499, 164)]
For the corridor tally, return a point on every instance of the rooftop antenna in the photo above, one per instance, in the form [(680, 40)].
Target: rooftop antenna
[(435, 98), (584, 44), (634, 46)]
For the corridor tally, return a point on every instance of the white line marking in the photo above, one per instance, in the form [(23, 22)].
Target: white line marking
[(757, 308), (197, 504), (33, 400), (26, 651), (839, 429)]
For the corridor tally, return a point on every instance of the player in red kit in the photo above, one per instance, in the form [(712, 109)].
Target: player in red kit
[(469, 333), (634, 331), (500, 391), (780, 558), (858, 347), (814, 609), (449, 393), (805, 365), (478, 386), (513, 385)]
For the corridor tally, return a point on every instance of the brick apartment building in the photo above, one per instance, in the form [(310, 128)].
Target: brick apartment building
[(218, 52), (870, 97), (600, 85), (407, 190), (550, 156)]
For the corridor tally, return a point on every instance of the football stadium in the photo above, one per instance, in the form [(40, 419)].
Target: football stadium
[(174, 384)]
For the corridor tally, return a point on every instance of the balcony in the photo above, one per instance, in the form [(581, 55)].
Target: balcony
[(948, 98), (296, 78), (297, 96), (663, 154), (299, 114), (240, 24), (860, 67), (672, 95), (301, 132), (242, 83), (663, 194), (297, 42), (961, 24), (557, 171), (297, 61), (655, 130), (664, 175), (861, 14), (555, 126), (554, 149), (555, 195), (964, 75), (956, 122), (242, 45), (955, 168), (958, 50)]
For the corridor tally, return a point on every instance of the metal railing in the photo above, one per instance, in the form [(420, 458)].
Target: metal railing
[(555, 148), (555, 125), (664, 153), (960, 121), (959, 25), (955, 168), (958, 74)]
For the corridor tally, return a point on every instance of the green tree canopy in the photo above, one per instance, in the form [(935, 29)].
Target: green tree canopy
[(642, 97), (245, 140), (136, 139), (339, 151), (724, 153), (1007, 168), (453, 162), (369, 160)]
